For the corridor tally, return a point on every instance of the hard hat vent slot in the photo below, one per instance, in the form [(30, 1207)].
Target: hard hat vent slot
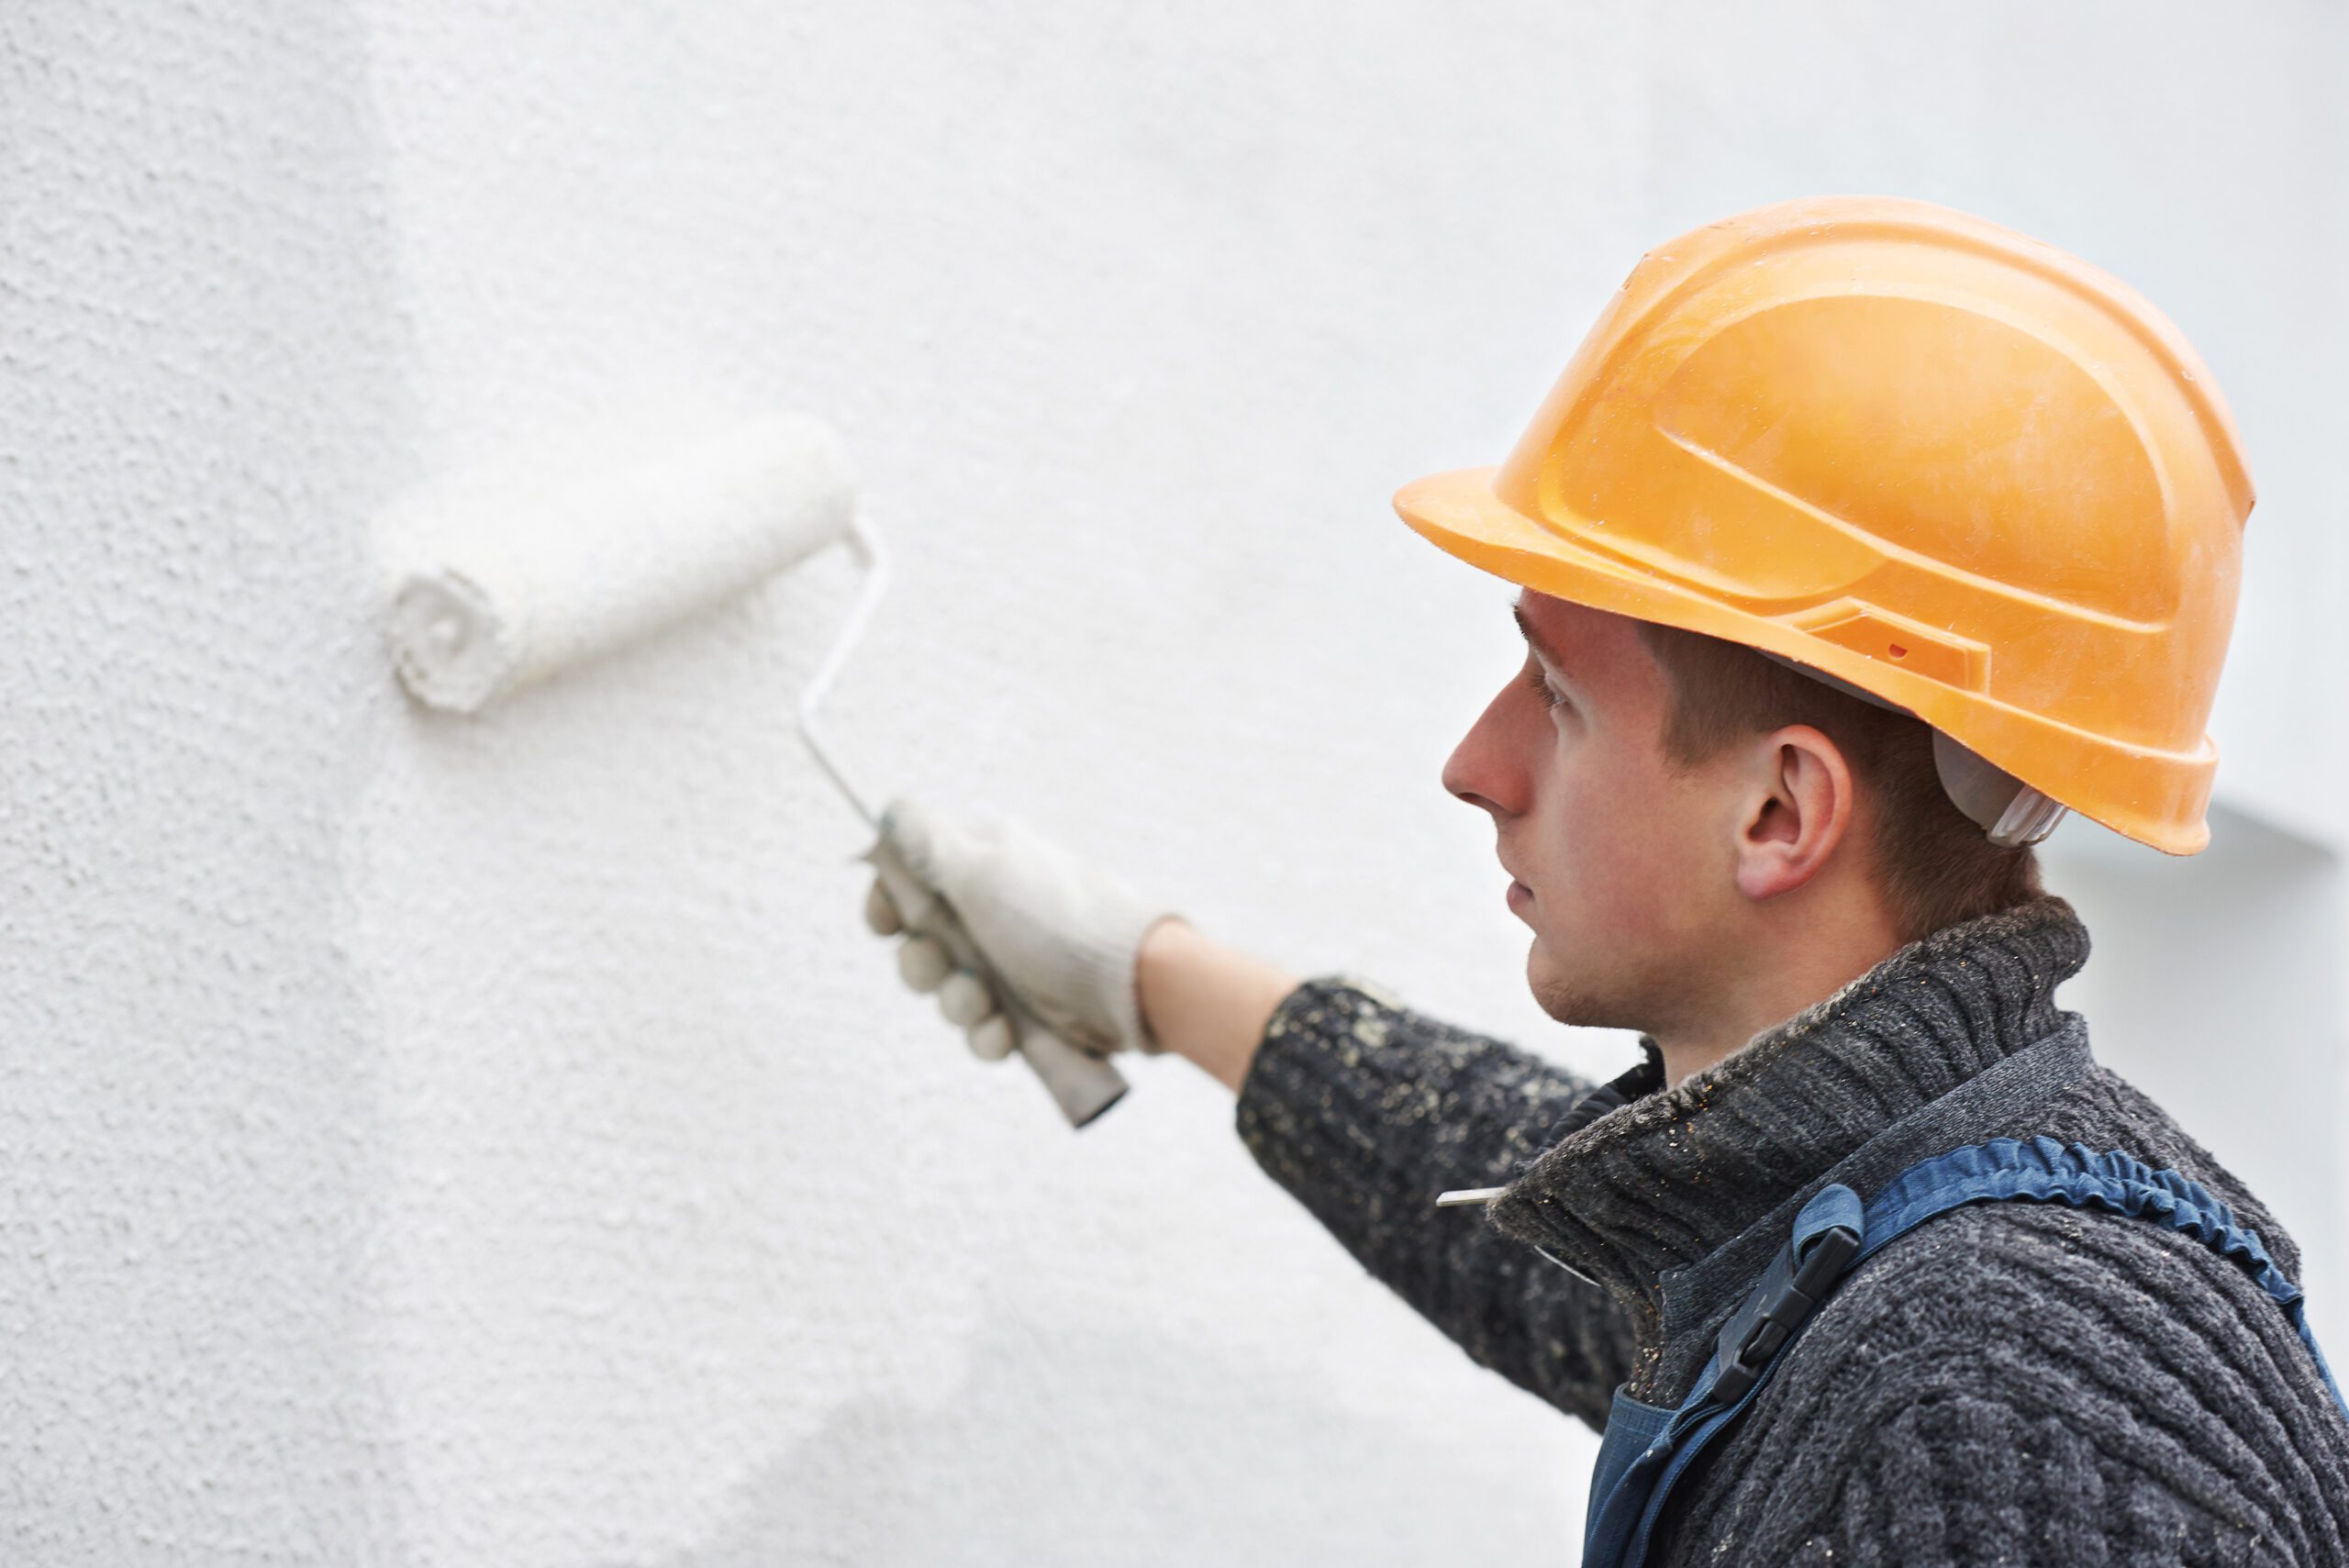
[(1919, 651)]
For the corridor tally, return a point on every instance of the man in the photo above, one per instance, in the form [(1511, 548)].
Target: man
[(1860, 539)]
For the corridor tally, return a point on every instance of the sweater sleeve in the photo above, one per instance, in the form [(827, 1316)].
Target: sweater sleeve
[(1365, 1111)]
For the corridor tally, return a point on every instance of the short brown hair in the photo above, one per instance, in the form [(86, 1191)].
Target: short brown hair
[(1935, 865)]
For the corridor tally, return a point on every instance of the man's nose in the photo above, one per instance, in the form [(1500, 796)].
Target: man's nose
[(1488, 768)]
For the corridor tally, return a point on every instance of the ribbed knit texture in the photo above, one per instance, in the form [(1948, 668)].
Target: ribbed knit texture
[(2010, 1383), (1365, 1111)]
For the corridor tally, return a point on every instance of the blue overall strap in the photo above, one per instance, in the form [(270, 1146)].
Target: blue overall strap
[(1646, 1449), (1834, 1234), (2045, 1171)]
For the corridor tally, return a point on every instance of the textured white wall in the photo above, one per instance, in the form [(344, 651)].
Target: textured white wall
[(463, 1143), (203, 393)]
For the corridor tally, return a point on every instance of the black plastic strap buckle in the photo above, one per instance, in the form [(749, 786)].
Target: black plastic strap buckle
[(1788, 1292)]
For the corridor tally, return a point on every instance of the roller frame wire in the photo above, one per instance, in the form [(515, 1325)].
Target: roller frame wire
[(864, 543)]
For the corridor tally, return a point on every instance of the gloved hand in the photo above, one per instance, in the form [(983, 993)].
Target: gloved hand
[(1063, 938)]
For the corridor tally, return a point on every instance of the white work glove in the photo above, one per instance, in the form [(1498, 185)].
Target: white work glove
[(1064, 938)]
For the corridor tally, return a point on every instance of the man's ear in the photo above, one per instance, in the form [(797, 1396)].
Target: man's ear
[(1799, 804)]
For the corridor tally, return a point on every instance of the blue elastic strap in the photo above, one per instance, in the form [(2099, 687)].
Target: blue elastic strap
[(2044, 1171), (1836, 1231)]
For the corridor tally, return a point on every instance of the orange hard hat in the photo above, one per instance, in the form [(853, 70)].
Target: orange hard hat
[(1927, 457)]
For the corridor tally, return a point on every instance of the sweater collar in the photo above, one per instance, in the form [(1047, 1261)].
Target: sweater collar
[(1673, 1175)]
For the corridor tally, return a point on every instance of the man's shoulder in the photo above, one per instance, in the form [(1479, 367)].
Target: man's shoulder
[(2013, 1289), (2107, 1111), (2006, 1288), (2053, 1308), (2063, 1369)]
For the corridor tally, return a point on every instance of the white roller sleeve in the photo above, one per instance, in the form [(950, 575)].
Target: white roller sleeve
[(550, 580)]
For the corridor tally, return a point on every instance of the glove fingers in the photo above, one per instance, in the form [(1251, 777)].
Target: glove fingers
[(991, 1038), (881, 911), (923, 964), (964, 1000)]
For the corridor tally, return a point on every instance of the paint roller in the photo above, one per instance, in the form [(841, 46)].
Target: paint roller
[(514, 590)]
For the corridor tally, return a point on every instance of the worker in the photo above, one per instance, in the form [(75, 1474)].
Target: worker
[(1860, 541)]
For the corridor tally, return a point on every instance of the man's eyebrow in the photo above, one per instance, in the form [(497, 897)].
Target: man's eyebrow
[(1525, 628)]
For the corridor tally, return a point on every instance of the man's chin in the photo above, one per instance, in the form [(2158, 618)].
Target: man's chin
[(1561, 996)]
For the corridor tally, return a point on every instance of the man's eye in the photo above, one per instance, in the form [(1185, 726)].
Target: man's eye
[(1540, 682)]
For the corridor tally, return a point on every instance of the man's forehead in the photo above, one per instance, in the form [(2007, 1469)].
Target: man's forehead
[(1577, 638), (1557, 626)]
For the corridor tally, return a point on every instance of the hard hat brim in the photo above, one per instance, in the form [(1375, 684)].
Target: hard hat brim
[(2158, 798)]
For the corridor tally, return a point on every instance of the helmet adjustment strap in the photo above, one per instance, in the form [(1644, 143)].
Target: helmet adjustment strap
[(2009, 811)]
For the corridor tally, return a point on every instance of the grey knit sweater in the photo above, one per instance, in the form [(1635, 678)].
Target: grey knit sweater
[(2011, 1383)]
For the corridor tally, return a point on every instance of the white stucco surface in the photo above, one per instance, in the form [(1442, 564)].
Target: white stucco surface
[(442, 1141)]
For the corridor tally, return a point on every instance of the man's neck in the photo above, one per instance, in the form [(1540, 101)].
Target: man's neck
[(1774, 982)]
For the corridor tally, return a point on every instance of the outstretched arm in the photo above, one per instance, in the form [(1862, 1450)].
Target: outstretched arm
[(1365, 1110), (1362, 1109)]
